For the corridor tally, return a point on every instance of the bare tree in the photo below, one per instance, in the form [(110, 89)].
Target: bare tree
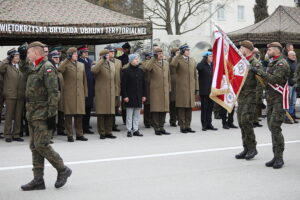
[(159, 13), (172, 15)]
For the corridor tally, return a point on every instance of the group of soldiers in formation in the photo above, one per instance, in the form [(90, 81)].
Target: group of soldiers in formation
[(53, 92)]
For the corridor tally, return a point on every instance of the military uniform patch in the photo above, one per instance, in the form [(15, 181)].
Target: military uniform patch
[(49, 70)]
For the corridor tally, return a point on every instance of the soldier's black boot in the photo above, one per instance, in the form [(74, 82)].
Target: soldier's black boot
[(35, 184), (270, 163), (250, 154), (242, 154), (62, 177), (278, 163)]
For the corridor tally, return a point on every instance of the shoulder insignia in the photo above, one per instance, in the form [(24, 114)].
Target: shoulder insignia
[(49, 70)]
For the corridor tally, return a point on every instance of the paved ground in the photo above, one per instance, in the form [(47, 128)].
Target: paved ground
[(176, 167)]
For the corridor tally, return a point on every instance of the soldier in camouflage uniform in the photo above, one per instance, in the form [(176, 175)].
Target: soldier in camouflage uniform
[(246, 103), (277, 73), (42, 97)]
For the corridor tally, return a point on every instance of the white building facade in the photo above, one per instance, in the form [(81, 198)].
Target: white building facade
[(236, 14)]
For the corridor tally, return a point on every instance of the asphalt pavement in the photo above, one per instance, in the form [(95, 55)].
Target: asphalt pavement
[(180, 166)]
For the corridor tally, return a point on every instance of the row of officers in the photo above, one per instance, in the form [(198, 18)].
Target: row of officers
[(160, 86)]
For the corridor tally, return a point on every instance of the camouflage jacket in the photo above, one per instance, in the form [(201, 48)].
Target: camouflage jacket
[(277, 73), (248, 91), (42, 94)]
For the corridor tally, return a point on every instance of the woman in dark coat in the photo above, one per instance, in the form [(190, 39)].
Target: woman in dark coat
[(133, 94)]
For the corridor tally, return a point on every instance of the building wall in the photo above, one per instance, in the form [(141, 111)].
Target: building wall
[(3, 51), (201, 38)]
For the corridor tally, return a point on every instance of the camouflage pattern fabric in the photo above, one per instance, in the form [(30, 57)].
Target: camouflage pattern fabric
[(42, 97), (277, 73), (246, 105)]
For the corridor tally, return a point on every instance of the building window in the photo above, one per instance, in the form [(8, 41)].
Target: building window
[(220, 12), (241, 13)]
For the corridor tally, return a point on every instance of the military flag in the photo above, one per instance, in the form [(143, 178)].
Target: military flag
[(230, 71)]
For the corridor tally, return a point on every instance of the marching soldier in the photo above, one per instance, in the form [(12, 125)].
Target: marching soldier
[(41, 102), (173, 110), (14, 83), (246, 103), (277, 74), (104, 72), (186, 87), (75, 86), (160, 85)]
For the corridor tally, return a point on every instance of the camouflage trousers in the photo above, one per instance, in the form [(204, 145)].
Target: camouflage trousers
[(245, 115), (275, 117), (40, 147)]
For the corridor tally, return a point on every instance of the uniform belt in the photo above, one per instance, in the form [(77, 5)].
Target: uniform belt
[(35, 99)]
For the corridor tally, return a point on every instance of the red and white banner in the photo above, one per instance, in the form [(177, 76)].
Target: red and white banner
[(230, 71), (285, 94)]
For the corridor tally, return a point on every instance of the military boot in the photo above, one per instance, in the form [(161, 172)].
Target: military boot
[(278, 163), (270, 163), (35, 184), (62, 177), (250, 154), (242, 154)]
